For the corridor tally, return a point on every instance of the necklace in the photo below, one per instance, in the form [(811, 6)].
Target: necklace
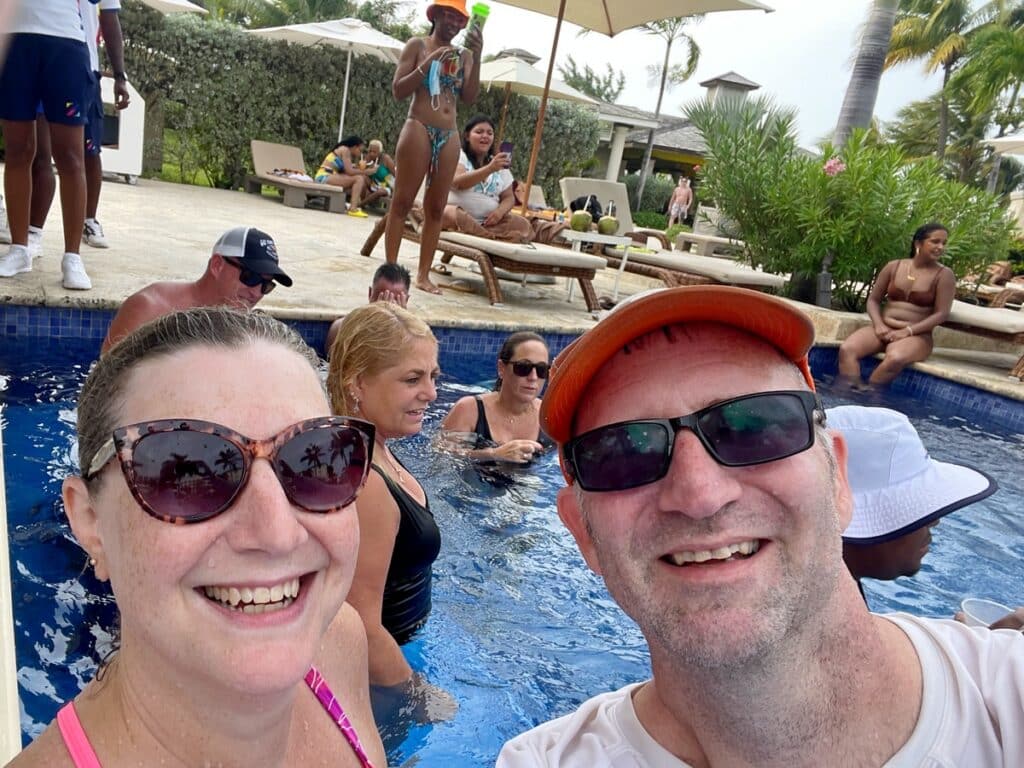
[(393, 464), (911, 277)]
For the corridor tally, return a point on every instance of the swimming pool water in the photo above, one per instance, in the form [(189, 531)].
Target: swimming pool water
[(520, 632)]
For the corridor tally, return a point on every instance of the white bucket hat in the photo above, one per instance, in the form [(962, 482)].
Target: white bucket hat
[(897, 488)]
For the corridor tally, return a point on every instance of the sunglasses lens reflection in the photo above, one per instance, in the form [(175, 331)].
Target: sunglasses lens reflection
[(323, 469), (187, 475)]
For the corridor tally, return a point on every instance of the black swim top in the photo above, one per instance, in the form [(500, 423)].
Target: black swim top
[(484, 439), (407, 588)]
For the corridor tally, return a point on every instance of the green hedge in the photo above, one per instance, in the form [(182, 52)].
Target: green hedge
[(220, 87), (657, 192)]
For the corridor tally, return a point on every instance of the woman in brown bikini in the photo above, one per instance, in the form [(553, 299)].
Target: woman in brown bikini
[(918, 295)]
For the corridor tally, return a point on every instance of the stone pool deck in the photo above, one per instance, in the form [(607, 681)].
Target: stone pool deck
[(163, 231)]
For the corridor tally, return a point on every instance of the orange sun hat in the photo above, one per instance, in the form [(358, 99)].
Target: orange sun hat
[(775, 321), (457, 5)]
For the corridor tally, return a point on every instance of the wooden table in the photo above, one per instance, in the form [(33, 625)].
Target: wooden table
[(578, 238)]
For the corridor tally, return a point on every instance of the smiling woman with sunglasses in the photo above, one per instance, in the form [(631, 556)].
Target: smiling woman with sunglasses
[(504, 425), (221, 510)]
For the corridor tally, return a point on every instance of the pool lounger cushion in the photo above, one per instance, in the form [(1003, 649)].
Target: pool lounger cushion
[(535, 254), (725, 271)]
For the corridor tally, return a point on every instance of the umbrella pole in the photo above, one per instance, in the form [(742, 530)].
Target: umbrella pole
[(504, 114), (344, 95), (539, 130)]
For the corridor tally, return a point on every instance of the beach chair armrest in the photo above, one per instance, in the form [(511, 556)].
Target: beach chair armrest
[(640, 236)]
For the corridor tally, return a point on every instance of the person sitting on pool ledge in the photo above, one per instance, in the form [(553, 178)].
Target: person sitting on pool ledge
[(899, 492), (511, 432), (706, 491), (229, 554), (242, 270)]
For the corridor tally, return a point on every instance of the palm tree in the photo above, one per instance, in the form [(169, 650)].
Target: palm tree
[(995, 70), (938, 31), (862, 91), (670, 30)]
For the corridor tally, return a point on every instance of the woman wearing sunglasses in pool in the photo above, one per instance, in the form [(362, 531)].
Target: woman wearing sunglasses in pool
[(220, 509), (504, 425), (384, 369)]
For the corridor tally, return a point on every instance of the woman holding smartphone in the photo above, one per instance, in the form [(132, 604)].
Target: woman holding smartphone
[(482, 197)]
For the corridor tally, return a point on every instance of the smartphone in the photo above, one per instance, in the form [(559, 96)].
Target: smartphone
[(506, 146)]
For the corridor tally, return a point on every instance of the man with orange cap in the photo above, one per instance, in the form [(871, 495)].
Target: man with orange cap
[(706, 491)]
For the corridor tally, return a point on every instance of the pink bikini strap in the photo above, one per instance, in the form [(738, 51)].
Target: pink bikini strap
[(326, 698), (77, 743)]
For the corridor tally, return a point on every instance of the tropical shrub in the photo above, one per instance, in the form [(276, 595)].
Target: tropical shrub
[(859, 205), (219, 87), (674, 230)]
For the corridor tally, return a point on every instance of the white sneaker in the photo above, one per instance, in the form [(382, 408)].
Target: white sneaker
[(75, 277), (35, 243), (92, 233), (16, 260), (5, 227)]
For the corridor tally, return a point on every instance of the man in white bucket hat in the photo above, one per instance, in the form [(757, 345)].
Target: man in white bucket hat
[(899, 492)]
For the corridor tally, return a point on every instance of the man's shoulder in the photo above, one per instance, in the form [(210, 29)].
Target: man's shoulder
[(601, 729)]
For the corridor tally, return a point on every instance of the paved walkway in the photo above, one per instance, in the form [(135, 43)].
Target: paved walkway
[(162, 231)]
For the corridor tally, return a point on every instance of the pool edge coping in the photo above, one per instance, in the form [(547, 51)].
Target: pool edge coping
[(10, 726)]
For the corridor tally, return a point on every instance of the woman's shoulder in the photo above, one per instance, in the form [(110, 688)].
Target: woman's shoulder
[(47, 750)]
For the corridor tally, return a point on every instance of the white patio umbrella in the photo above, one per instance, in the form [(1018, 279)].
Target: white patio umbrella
[(175, 6), (352, 35), (1008, 145), (611, 17), (522, 77)]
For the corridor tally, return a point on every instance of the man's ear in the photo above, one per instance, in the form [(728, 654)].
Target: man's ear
[(843, 494), (571, 515), (84, 523)]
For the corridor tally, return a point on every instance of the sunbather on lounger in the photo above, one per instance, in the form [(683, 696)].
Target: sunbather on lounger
[(344, 167), (481, 198)]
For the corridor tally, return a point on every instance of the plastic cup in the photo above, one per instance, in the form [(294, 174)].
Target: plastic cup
[(979, 612), (478, 15)]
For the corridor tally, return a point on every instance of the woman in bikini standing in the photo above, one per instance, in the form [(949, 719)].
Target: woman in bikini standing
[(428, 144), (918, 294)]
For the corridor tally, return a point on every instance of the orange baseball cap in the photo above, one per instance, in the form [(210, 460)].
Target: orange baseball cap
[(777, 322), (458, 5)]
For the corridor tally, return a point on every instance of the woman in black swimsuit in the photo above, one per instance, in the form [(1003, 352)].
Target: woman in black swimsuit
[(918, 294), (505, 424), (384, 369)]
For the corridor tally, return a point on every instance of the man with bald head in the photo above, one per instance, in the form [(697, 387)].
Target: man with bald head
[(706, 491)]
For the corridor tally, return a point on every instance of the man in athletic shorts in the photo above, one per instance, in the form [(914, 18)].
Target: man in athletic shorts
[(47, 62)]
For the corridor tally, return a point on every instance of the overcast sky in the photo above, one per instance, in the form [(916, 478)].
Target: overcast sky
[(801, 55)]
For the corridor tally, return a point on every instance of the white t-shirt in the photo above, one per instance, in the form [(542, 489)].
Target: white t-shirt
[(482, 198), (91, 26), (57, 18), (972, 711)]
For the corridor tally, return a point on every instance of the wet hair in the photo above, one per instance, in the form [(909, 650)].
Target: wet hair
[(106, 388), (370, 339), (922, 232), (393, 273), (350, 142), (508, 349), (473, 123)]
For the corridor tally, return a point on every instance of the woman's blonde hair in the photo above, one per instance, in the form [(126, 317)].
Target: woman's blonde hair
[(376, 144), (370, 339)]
